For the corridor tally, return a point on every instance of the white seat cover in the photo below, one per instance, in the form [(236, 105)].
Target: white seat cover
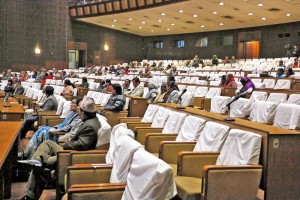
[(150, 113), (277, 98), (263, 112), (258, 96), (60, 106), (187, 99), (212, 137), (240, 148), (123, 155), (260, 85), (174, 123), (294, 98), (283, 84), (213, 92), (270, 83), (105, 99), (160, 118), (218, 104), (66, 109), (287, 116), (116, 133), (103, 132), (214, 83), (240, 108), (149, 178), (191, 88), (127, 99), (190, 129), (201, 91)]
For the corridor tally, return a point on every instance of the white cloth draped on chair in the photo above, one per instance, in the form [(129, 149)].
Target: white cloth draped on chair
[(294, 99), (212, 137), (160, 117), (277, 98), (213, 91), (150, 113), (103, 132), (174, 122), (283, 84), (187, 99), (218, 104), (201, 91), (287, 116), (190, 129), (240, 108), (270, 83), (263, 112)]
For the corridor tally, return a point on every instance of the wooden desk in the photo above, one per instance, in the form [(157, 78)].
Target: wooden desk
[(281, 165), (137, 106), (8, 141), (13, 113)]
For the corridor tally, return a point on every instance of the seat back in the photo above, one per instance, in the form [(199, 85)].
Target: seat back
[(149, 178), (277, 98), (174, 122), (283, 84), (123, 155), (287, 116), (60, 106), (150, 113), (294, 98), (240, 148), (218, 104), (103, 132), (201, 91), (213, 92), (270, 83), (160, 118), (190, 129), (212, 137), (66, 110), (258, 96), (187, 99)]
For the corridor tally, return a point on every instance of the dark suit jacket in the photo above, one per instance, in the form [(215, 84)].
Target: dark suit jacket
[(19, 90), (50, 103), (86, 137)]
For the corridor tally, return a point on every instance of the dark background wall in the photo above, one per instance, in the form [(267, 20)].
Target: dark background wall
[(23, 24)]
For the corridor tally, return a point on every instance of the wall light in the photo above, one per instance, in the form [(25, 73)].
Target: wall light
[(106, 47), (37, 49)]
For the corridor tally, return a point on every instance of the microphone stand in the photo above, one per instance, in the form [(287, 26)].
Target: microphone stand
[(228, 118)]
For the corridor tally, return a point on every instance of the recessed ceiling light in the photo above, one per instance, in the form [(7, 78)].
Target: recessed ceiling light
[(130, 19), (152, 30), (143, 22), (195, 15), (172, 24), (250, 14), (181, 11), (202, 26), (115, 20), (140, 27), (221, 3), (215, 13), (159, 20), (163, 14), (260, 4), (221, 24), (168, 29), (288, 15), (263, 18), (112, 25)]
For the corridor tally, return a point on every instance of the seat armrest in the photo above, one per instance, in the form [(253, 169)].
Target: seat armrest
[(132, 125), (51, 120), (129, 119), (168, 150), (141, 133), (88, 157), (152, 141), (63, 161), (243, 180), (191, 163)]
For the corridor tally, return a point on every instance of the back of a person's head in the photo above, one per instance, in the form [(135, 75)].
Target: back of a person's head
[(171, 84), (136, 80), (67, 82), (108, 81), (84, 79), (118, 88), (49, 90)]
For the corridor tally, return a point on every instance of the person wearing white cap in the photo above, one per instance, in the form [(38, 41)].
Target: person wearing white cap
[(46, 155)]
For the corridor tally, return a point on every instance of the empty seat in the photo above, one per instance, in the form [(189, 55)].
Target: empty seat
[(218, 104), (277, 97), (201, 91), (213, 91), (270, 83), (283, 84), (287, 116), (294, 99)]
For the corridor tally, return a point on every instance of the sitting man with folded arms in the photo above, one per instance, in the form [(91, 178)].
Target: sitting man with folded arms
[(49, 104), (46, 155), (49, 133), (18, 88), (116, 101), (138, 88)]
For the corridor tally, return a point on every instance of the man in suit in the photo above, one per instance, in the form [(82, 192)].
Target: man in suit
[(138, 88), (18, 88), (49, 104), (84, 139)]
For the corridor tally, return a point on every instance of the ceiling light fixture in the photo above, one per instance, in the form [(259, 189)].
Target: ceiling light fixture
[(288, 14), (112, 25), (263, 18), (181, 11), (215, 13), (163, 14), (168, 29), (221, 3), (221, 24), (260, 5), (195, 15), (159, 20), (172, 24), (250, 14), (202, 26), (130, 19), (140, 27), (115, 20), (143, 22)]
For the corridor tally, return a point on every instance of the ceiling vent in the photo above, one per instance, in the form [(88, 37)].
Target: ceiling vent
[(125, 28), (156, 26), (227, 17), (190, 22), (274, 10)]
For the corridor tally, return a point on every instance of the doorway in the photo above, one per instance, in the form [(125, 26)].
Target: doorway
[(76, 58), (248, 49)]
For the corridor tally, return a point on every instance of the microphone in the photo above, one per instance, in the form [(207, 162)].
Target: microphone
[(233, 100), (179, 98)]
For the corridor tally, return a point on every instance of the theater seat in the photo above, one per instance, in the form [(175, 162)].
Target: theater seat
[(218, 104), (287, 116)]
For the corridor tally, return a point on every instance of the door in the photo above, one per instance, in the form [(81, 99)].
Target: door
[(72, 59), (248, 50)]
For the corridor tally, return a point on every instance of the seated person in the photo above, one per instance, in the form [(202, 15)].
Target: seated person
[(248, 87), (108, 86), (172, 93), (223, 80), (226, 60), (126, 86), (152, 86), (101, 86), (46, 155), (18, 88), (9, 87), (163, 91), (289, 73), (230, 82), (116, 101), (84, 83), (49, 133), (281, 64), (280, 73), (68, 89), (138, 88), (49, 104)]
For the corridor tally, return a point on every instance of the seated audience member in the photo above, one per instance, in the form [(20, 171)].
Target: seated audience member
[(18, 88), (233, 60), (174, 72), (46, 155), (226, 60), (101, 86), (152, 86), (289, 73), (68, 89), (138, 88), (167, 69), (40, 75), (108, 86), (126, 87), (147, 73), (163, 91), (9, 87), (248, 87), (73, 75), (84, 83), (49, 104), (116, 101), (63, 75), (195, 62), (223, 80), (230, 82), (281, 64), (49, 133), (296, 63), (126, 71), (214, 60), (172, 93), (172, 78), (280, 73)]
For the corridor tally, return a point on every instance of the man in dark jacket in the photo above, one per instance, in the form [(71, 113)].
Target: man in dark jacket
[(117, 100), (84, 139), (18, 88)]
